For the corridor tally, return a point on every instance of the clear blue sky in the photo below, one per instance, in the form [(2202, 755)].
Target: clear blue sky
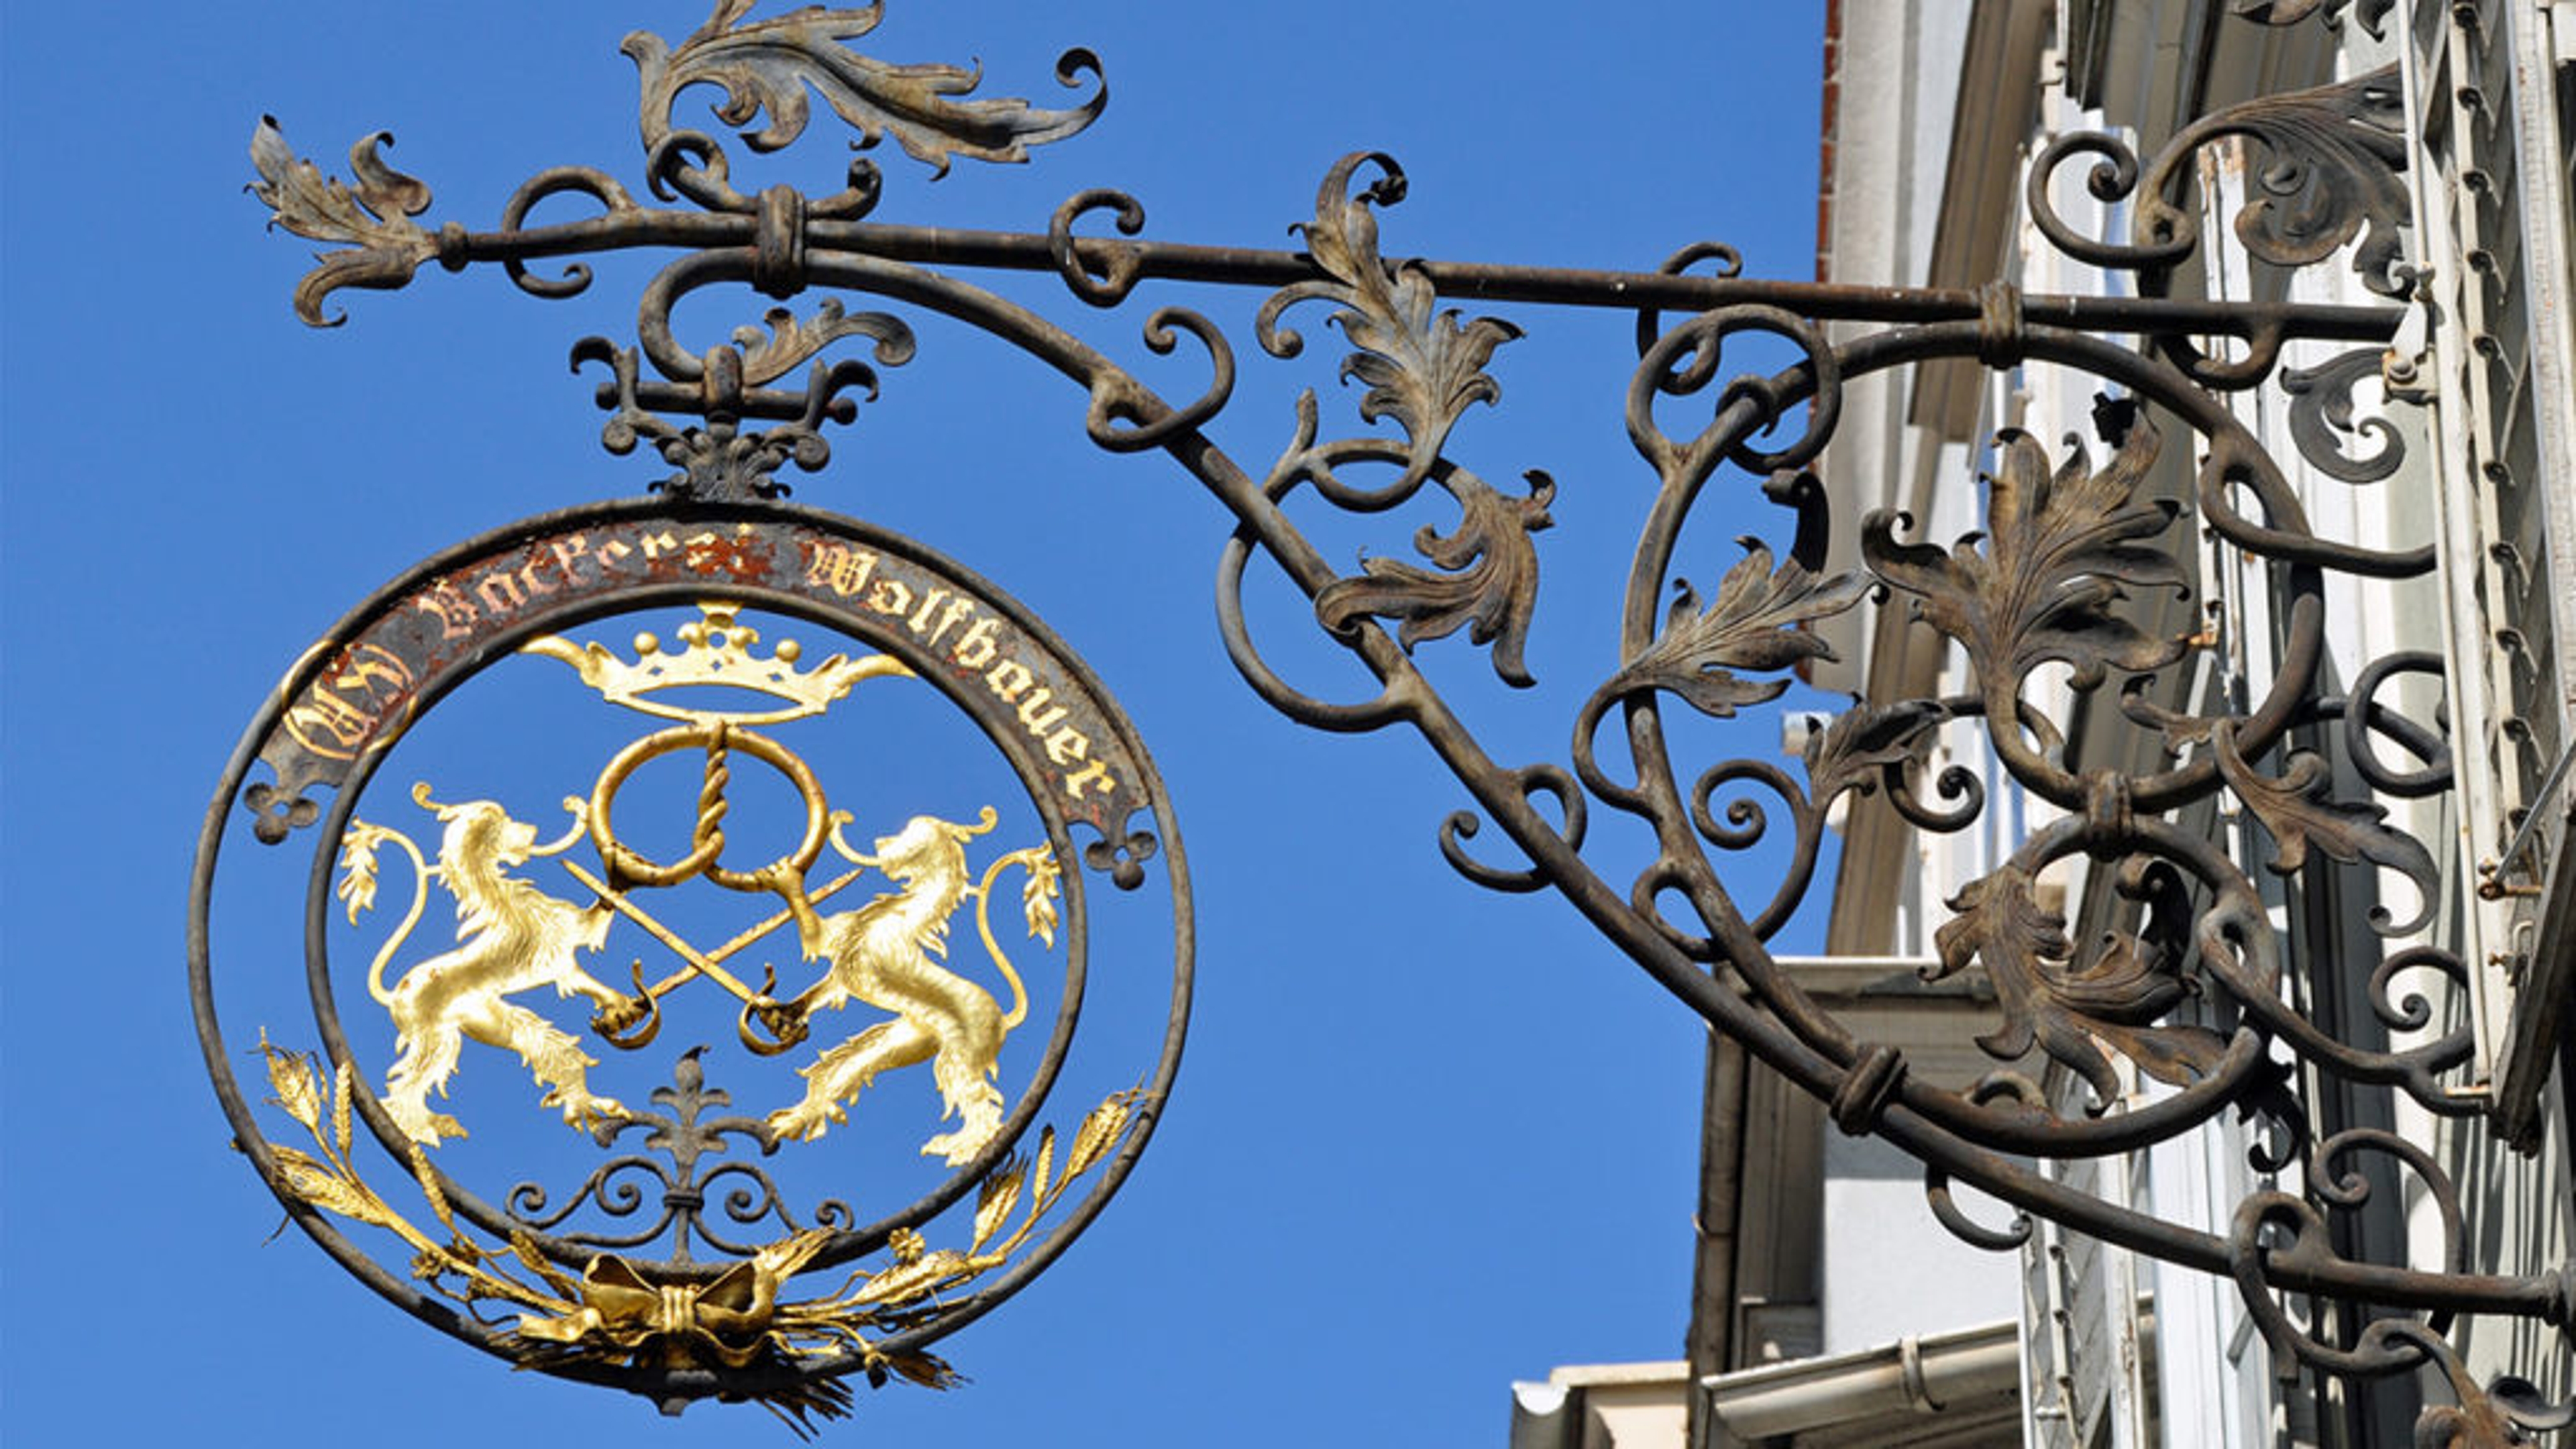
[(1427, 1140)]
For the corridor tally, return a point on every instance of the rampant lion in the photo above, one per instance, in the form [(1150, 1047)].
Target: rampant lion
[(511, 937), (881, 954)]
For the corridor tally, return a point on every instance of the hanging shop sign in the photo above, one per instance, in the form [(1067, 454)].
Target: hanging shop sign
[(832, 1105), (925, 954)]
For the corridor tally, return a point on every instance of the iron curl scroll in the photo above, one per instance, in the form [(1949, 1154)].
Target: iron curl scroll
[(2169, 1021)]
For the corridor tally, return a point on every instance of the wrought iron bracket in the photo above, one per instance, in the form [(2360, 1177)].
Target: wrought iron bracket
[(2072, 538)]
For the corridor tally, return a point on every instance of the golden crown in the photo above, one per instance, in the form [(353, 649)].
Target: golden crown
[(716, 649)]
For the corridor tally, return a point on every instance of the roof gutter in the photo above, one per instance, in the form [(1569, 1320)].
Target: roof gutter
[(1913, 1375)]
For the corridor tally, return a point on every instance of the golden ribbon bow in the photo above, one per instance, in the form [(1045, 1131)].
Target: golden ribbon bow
[(726, 1319)]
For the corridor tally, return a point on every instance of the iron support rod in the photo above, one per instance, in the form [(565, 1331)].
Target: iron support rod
[(1271, 268), (1583, 287)]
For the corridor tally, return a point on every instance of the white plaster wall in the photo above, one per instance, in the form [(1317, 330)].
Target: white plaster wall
[(1899, 88), (1890, 1271)]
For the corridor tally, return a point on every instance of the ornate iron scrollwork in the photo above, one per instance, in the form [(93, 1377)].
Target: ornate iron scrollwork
[(2069, 548)]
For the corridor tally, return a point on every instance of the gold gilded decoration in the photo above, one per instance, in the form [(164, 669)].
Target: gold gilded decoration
[(349, 703), (717, 651), (511, 937), (727, 1321), (737, 1317), (625, 1311), (331, 1183), (584, 1297), (717, 740), (351, 698), (919, 1270), (882, 954)]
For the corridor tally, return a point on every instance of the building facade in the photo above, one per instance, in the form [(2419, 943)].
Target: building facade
[(2401, 832)]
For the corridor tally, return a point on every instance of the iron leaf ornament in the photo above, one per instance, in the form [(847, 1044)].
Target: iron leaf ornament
[(1868, 742), (791, 341), (2323, 414), (2064, 1010), (1756, 622), (1489, 576), (1422, 368), (2299, 810), (2058, 553), (375, 217), (767, 66), (2335, 153)]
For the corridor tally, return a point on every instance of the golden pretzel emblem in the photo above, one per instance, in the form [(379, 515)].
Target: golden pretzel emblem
[(766, 1026)]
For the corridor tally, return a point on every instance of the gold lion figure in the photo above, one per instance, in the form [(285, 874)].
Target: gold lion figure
[(881, 954), (511, 937)]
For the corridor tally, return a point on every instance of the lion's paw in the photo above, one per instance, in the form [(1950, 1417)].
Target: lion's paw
[(797, 1124), (586, 1112), (956, 1148), (620, 1014)]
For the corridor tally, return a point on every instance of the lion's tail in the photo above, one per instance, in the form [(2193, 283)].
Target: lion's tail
[(984, 926), (420, 873)]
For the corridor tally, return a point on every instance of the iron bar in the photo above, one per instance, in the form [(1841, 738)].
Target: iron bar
[(1273, 268)]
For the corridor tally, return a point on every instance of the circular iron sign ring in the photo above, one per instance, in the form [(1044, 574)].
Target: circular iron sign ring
[(351, 697)]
